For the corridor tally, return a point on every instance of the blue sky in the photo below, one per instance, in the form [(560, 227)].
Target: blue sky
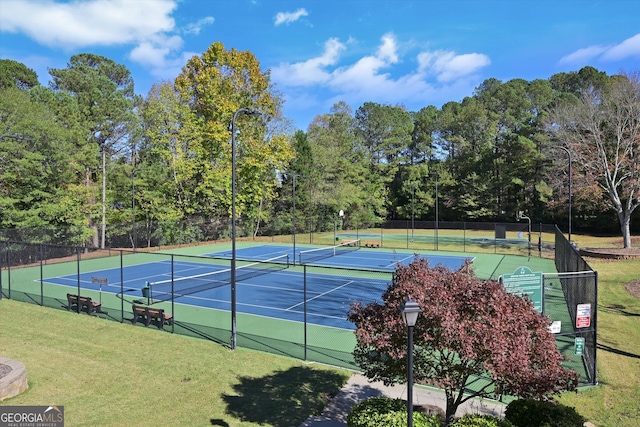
[(319, 52)]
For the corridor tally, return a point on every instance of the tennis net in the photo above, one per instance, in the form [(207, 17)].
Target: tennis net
[(312, 255), (165, 290)]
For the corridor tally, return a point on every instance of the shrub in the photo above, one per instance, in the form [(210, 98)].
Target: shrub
[(475, 420), (538, 413), (384, 411)]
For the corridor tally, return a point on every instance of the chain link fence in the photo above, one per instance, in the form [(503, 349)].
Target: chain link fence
[(313, 326)]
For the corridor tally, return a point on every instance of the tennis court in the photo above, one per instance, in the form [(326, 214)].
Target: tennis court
[(345, 255), (268, 284), (294, 310)]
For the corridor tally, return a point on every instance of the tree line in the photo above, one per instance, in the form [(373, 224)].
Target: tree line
[(86, 151)]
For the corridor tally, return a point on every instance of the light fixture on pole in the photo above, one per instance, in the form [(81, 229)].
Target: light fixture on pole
[(520, 216), (233, 221), (410, 311)]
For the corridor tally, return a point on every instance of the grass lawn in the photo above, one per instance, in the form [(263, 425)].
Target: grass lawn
[(111, 374)]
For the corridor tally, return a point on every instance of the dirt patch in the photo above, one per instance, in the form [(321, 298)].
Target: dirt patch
[(633, 288)]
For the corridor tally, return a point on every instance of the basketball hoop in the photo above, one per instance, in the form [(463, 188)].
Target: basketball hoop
[(341, 213)]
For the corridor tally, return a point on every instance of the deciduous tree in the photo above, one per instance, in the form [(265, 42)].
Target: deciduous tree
[(468, 328), (215, 85), (601, 128)]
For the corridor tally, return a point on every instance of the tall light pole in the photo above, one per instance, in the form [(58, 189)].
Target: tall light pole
[(233, 221), (410, 311), (566, 150)]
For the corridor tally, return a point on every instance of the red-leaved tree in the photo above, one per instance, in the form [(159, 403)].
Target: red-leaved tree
[(468, 328)]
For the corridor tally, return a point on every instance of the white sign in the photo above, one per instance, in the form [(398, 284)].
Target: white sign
[(555, 327), (583, 316)]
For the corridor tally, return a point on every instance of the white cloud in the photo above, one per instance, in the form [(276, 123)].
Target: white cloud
[(384, 77), (312, 71), (376, 77), (89, 23), (289, 17), (447, 66), (387, 51), (584, 55), (145, 25), (196, 27), (628, 48), (155, 51)]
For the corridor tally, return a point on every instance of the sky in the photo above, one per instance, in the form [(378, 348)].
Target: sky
[(320, 52)]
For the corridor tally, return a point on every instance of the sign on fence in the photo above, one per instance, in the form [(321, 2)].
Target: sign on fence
[(525, 282), (583, 316)]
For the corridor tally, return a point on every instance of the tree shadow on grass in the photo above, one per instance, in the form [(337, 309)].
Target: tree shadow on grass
[(617, 351), (285, 398)]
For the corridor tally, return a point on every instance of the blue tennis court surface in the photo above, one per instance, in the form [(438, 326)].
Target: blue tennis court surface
[(358, 259), (274, 292)]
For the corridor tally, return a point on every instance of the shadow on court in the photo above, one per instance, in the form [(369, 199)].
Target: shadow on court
[(283, 398)]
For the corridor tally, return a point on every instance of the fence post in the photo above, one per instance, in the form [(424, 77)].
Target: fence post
[(122, 287), (78, 305), (1, 256), (304, 296), (41, 256)]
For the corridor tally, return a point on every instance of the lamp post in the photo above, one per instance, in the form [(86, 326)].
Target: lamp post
[(566, 150), (233, 221), (520, 216), (410, 311)]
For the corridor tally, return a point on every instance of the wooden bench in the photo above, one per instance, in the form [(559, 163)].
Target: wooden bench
[(372, 244), (86, 304), (151, 314)]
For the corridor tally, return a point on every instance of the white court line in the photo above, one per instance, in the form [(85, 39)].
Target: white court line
[(319, 295)]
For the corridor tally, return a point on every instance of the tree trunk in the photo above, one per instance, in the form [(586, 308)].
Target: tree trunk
[(450, 412), (625, 221)]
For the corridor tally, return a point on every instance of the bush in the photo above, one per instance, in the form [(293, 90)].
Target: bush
[(384, 411), (538, 413), (475, 420)]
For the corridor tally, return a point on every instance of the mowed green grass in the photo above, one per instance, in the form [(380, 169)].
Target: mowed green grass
[(110, 374), (615, 402)]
